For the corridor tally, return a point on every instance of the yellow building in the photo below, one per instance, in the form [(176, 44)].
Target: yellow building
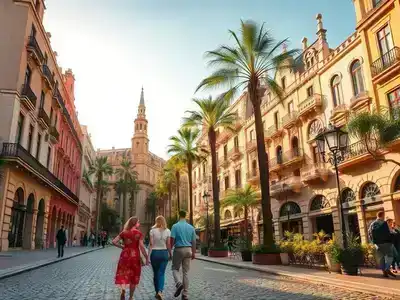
[(326, 86)]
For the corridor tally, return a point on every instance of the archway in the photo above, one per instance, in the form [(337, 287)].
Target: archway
[(295, 146), (228, 215), (17, 220), (39, 225), (322, 215), (28, 228), (52, 227), (370, 201), (290, 218)]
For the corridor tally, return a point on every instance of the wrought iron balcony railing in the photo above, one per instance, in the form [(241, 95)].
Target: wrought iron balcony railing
[(44, 117), (47, 74), (385, 61), (29, 95), (33, 46)]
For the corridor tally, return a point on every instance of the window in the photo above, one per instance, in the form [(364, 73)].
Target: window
[(290, 107), (251, 135), (283, 82), (19, 128), (33, 31), (236, 142), (394, 102), (226, 182), (55, 121), (41, 100), (140, 126), (335, 87), (316, 155), (269, 97), (30, 137), (51, 115), (254, 168), (279, 154), (225, 152), (48, 157), (357, 78), (238, 179), (310, 91), (276, 119), (376, 2), (38, 145), (28, 75), (195, 200), (194, 176), (385, 40)]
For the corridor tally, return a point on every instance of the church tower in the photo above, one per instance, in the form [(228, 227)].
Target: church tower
[(140, 141)]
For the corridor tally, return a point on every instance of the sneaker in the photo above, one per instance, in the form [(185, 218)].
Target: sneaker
[(179, 288), (389, 272), (159, 296)]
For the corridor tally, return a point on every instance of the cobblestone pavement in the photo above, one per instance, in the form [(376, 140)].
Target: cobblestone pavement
[(90, 276)]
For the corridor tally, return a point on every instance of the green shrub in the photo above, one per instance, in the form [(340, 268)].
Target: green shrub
[(219, 248), (262, 249)]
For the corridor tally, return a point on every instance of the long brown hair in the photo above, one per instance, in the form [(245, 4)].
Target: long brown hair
[(132, 221)]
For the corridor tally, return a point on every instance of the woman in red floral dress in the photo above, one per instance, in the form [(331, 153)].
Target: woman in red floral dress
[(129, 264)]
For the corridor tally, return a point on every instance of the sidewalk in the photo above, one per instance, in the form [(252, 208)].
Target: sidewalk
[(16, 262), (371, 280)]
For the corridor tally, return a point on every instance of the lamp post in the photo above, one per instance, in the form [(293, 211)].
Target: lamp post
[(337, 141), (206, 195)]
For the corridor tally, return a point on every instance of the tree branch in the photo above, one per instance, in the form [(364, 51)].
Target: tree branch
[(377, 157)]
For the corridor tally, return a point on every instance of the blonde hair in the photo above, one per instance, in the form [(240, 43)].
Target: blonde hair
[(160, 223), (132, 221)]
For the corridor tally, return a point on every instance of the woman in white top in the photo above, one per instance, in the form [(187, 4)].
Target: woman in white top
[(160, 253)]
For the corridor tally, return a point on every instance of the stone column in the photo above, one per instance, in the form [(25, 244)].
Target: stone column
[(33, 236), (46, 222), (307, 227), (361, 223), (275, 223), (337, 226)]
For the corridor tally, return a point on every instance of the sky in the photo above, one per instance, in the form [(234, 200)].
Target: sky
[(114, 47)]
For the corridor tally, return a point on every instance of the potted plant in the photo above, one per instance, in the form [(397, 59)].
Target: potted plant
[(266, 255), (332, 249), (204, 249), (286, 247), (218, 251), (244, 246), (351, 257)]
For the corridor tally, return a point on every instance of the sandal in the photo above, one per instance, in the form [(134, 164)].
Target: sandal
[(122, 297)]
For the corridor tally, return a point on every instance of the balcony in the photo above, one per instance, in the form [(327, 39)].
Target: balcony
[(251, 145), (285, 187), (223, 161), (310, 105), (54, 135), (274, 131), (355, 154), (17, 154), (44, 119), (339, 113), (253, 177), (48, 76), (235, 153), (314, 173), (34, 50), (59, 101), (387, 63), (360, 100), (28, 97), (238, 123), (287, 159), (224, 136), (290, 119)]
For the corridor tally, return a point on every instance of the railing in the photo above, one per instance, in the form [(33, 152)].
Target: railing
[(357, 149), (28, 93), (32, 43), (313, 170), (14, 150), (309, 103), (273, 129), (54, 132), (290, 118), (286, 157), (43, 115), (339, 109), (385, 61), (48, 75), (235, 151), (251, 144), (356, 98), (253, 174)]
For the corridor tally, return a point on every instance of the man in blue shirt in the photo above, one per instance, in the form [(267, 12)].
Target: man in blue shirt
[(183, 237)]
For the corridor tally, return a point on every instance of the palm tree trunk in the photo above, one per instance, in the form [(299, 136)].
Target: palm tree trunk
[(177, 190), (121, 211), (246, 225), (217, 230), (125, 201), (263, 166), (98, 200), (170, 200), (190, 191)]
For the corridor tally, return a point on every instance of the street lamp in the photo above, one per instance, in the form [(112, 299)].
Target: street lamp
[(337, 141), (206, 195)]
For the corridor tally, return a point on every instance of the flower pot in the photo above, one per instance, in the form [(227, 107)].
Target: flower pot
[(204, 251), (246, 255), (218, 253), (333, 267), (284, 258), (267, 259), (349, 270)]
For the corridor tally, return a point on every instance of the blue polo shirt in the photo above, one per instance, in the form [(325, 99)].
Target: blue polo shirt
[(183, 234)]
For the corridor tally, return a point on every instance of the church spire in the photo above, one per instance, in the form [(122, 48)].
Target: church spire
[(141, 97)]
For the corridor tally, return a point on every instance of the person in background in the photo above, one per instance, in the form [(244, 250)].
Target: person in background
[(61, 238), (93, 239), (160, 253), (129, 264), (183, 237), (396, 244), (103, 238), (380, 235), (230, 243), (85, 240)]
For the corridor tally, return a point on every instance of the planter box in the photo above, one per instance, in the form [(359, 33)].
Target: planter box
[(267, 259), (349, 270), (284, 259), (246, 256), (333, 267), (218, 253)]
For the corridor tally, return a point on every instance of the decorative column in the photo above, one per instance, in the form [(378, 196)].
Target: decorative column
[(337, 228), (307, 227), (33, 235), (45, 228), (361, 223)]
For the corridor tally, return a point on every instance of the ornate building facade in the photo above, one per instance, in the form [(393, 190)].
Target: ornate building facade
[(147, 165), (326, 86)]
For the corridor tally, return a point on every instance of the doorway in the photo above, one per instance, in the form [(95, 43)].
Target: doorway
[(325, 223), (353, 227), (17, 220)]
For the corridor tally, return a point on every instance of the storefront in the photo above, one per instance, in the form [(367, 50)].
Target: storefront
[(320, 215)]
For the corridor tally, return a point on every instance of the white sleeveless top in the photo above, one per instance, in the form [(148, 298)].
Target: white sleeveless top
[(159, 238)]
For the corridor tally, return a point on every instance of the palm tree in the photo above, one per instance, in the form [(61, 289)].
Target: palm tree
[(133, 189), (127, 174), (168, 179), (151, 204), (246, 198), (100, 169), (211, 115), (119, 187), (184, 146), (375, 130), (249, 65), (177, 167), (161, 190)]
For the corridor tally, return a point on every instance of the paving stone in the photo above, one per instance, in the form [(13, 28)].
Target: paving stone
[(91, 276)]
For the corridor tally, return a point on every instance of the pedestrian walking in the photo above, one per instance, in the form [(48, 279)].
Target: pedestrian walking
[(160, 253), (103, 238), (61, 238), (85, 240), (183, 237), (93, 239), (129, 264), (396, 244), (380, 235)]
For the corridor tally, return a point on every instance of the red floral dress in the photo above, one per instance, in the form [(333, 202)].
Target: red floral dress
[(129, 264)]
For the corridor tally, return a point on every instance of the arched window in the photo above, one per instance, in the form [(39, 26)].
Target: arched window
[(370, 190), (254, 167), (289, 208), (357, 77), (319, 202), (227, 214), (348, 195), (279, 154), (397, 184), (315, 128), (239, 213), (295, 146), (335, 87)]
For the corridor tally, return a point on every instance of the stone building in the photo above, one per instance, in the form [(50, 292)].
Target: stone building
[(146, 164), (326, 86), (40, 137)]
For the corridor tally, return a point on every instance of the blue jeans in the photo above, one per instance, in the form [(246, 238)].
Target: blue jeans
[(159, 261)]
